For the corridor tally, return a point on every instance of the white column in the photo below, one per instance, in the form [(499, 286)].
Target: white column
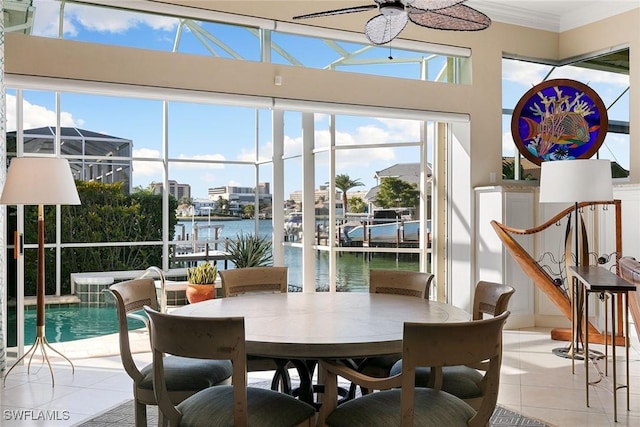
[(308, 205), (3, 209), (333, 265), (277, 191)]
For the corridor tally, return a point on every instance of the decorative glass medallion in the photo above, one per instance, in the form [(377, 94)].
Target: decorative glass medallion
[(557, 120)]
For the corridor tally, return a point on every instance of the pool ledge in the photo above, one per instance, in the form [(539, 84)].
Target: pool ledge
[(53, 300)]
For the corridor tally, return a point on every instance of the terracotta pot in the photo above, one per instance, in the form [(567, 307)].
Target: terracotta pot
[(196, 293)]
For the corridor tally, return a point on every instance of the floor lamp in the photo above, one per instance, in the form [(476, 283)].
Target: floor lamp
[(575, 181), (39, 181)]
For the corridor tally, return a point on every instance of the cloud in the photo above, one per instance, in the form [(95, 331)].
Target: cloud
[(587, 76), (523, 72), (201, 157), (36, 116), (92, 18), (531, 74), (372, 135), (508, 146), (143, 168)]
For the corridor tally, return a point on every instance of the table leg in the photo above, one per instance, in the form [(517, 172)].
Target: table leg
[(585, 331), (626, 340), (305, 370), (613, 353), (307, 390)]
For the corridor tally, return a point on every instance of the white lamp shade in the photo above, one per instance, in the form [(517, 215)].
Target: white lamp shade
[(574, 181), (39, 181)]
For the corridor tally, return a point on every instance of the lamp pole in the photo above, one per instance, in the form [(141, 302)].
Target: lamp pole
[(39, 181)]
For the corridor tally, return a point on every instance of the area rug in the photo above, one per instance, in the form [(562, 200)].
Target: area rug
[(122, 416)]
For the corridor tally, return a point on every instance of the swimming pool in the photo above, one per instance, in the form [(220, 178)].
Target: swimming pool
[(75, 322)]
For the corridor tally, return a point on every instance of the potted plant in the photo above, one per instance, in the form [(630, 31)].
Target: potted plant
[(201, 280), (250, 250)]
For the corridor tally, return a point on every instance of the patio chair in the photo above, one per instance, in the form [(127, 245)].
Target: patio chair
[(463, 381), (260, 279), (437, 345), (184, 377), (396, 282), (225, 405)]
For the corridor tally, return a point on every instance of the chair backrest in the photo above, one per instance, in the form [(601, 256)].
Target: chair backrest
[(450, 344), (398, 282), (201, 338), (491, 298), (253, 279), (132, 296)]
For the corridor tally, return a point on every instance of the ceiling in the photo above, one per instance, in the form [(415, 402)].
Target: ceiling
[(552, 15)]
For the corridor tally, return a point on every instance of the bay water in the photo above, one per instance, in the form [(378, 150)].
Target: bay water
[(352, 267)]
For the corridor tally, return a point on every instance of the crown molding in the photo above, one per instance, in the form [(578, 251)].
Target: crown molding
[(552, 15)]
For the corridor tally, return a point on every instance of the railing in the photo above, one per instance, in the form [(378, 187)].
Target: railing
[(163, 293)]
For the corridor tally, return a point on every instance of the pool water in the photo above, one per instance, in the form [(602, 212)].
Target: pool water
[(74, 323)]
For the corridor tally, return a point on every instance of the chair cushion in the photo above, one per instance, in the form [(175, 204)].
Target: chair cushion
[(184, 374), (213, 407), (461, 381), (379, 365), (432, 408)]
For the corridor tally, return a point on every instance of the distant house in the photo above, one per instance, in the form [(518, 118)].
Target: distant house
[(409, 172)]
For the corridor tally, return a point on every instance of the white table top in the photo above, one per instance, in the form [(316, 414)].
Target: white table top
[(325, 324)]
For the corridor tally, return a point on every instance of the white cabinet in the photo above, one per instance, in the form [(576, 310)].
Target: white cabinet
[(513, 206)]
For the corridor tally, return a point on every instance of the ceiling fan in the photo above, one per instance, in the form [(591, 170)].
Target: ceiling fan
[(395, 14)]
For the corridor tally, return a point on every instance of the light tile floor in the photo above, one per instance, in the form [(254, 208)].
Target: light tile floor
[(534, 382)]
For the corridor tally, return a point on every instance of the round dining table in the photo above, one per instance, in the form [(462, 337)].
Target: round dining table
[(333, 325), (324, 325)]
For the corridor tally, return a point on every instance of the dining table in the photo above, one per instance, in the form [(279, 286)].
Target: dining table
[(308, 326)]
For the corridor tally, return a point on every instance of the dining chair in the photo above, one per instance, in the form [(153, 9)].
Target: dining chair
[(401, 402), (184, 377), (395, 282), (224, 405), (400, 282), (253, 279), (240, 281), (465, 381)]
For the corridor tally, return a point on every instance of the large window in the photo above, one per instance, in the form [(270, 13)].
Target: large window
[(250, 41), (607, 75), (218, 163)]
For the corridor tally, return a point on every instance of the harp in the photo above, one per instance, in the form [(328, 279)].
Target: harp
[(556, 293)]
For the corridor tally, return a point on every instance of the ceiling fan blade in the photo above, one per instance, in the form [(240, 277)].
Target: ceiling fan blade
[(337, 11), (382, 29), (454, 18), (431, 4)]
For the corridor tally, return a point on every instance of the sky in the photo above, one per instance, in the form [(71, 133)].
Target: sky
[(213, 132)]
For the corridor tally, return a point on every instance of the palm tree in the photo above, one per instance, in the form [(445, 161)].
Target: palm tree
[(344, 183)]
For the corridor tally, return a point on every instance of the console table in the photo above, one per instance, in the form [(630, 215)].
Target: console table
[(600, 280)]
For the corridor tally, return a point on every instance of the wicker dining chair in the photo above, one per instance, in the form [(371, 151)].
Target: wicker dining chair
[(465, 381), (184, 377), (225, 405), (401, 402)]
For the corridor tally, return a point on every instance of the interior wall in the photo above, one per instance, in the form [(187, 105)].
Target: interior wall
[(480, 100), (600, 37)]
